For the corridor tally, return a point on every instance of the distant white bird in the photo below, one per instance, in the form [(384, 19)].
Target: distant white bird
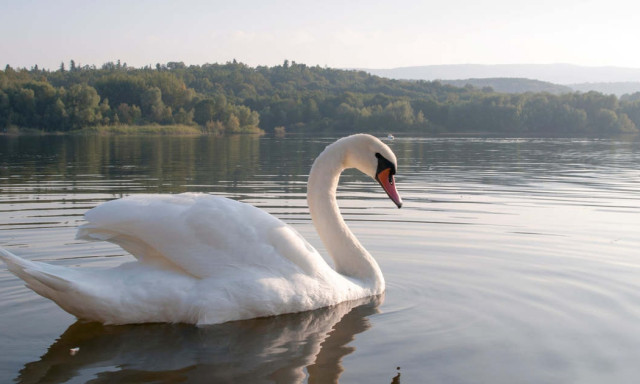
[(204, 259), (390, 137)]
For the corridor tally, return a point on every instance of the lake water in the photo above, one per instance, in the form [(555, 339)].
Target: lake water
[(511, 261)]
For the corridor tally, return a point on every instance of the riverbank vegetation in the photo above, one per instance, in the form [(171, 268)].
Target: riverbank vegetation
[(236, 98)]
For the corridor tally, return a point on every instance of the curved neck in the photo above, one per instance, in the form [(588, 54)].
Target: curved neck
[(349, 256)]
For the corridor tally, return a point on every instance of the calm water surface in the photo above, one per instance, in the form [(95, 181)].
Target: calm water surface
[(511, 261)]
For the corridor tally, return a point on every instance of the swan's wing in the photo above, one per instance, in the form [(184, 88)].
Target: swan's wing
[(202, 235)]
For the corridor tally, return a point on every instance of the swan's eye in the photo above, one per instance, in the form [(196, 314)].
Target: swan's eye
[(384, 164)]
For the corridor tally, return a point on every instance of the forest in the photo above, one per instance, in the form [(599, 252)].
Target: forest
[(236, 98)]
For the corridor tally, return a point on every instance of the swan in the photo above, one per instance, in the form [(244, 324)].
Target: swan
[(204, 259)]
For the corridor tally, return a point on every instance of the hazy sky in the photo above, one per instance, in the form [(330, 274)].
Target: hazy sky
[(341, 34)]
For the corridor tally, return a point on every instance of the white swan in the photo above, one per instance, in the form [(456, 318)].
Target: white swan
[(203, 259)]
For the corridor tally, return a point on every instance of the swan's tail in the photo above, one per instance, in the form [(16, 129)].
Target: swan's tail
[(17, 265), (43, 278)]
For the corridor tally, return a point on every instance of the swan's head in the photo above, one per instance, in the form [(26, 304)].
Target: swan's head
[(374, 158)]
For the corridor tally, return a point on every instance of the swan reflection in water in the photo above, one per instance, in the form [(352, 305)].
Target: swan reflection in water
[(274, 349)]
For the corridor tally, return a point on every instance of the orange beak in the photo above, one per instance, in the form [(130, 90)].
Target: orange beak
[(388, 183)]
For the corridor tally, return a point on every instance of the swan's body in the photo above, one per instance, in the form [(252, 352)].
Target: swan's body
[(204, 259)]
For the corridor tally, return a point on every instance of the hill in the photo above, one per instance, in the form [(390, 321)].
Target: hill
[(554, 73), (511, 85), (618, 88)]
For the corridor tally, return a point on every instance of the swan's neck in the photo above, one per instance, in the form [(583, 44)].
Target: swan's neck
[(349, 256)]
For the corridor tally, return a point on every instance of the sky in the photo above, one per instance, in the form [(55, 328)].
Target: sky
[(338, 34)]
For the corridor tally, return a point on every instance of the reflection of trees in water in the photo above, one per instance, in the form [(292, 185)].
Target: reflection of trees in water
[(168, 164), (164, 163), (235, 164), (274, 349)]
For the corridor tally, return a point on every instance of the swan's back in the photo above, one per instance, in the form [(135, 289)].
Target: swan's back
[(201, 235)]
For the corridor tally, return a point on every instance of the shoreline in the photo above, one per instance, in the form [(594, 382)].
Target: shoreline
[(124, 130)]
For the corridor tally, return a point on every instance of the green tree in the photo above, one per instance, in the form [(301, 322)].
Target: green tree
[(82, 106), (121, 89), (153, 108), (5, 110), (23, 106), (233, 124), (204, 111), (127, 114), (184, 117)]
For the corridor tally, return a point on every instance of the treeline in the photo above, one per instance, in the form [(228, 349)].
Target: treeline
[(84, 97), (234, 97)]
